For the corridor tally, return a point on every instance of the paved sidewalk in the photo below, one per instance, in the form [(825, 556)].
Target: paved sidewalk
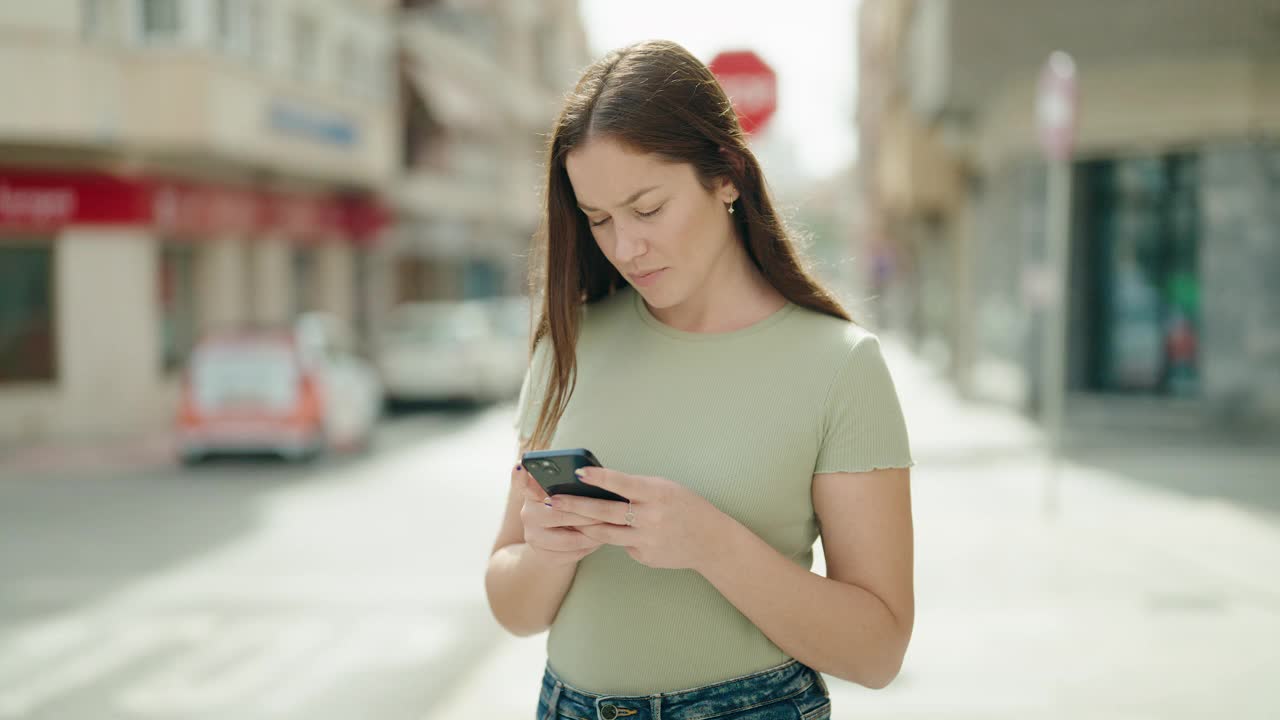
[(1134, 601)]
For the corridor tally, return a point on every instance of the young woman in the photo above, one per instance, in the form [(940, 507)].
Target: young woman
[(731, 400)]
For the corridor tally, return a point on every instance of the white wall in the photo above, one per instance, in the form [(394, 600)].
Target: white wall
[(43, 16), (108, 329)]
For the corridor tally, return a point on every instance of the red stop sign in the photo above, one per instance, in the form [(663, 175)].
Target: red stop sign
[(751, 85)]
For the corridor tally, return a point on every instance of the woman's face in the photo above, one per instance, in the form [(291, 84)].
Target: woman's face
[(648, 215)]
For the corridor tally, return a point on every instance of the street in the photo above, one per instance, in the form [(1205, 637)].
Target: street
[(354, 587), (252, 588)]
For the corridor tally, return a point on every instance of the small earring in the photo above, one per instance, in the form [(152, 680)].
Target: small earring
[(730, 208)]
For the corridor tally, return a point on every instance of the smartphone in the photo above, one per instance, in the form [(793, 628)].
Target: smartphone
[(553, 469)]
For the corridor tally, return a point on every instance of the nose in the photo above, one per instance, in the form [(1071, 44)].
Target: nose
[(628, 242)]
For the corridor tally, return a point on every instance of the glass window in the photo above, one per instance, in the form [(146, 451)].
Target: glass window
[(362, 282), (1143, 227), (161, 20), (412, 279), (304, 280), (373, 73), (226, 25), (348, 66), (99, 19), (305, 37), (177, 305), (245, 374), (256, 28), (26, 314)]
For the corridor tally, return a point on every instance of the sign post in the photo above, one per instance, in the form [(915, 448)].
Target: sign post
[(1056, 108), (751, 85)]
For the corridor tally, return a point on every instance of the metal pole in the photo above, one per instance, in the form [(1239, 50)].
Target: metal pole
[(1054, 347)]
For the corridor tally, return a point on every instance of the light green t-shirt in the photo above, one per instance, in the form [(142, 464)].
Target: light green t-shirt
[(743, 418)]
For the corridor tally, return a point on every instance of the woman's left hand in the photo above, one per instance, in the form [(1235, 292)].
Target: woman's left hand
[(673, 527)]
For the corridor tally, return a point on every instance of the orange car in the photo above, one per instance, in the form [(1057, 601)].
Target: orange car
[(283, 392)]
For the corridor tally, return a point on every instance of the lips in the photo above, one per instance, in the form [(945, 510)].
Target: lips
[(647, 279)]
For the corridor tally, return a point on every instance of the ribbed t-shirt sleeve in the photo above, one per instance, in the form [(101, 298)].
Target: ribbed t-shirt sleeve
[(863, 425), (532, 389)]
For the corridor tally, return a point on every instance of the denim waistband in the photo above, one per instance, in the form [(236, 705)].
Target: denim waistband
[(788, 681)]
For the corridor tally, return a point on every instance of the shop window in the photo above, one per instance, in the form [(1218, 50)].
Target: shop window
[(304, 280), (481, 279), (229, 27), (161, 20), (348, 60), (362, 283), (412, 279), (1144, 230), (178, 328), (306, 33), (256, 30), (26, 314), (100, 20)]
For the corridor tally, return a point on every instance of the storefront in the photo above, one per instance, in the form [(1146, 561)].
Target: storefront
[(106, 282), (1142, 236), (27, 344)]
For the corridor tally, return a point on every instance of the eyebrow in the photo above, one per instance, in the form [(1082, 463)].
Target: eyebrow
[(628, 201)]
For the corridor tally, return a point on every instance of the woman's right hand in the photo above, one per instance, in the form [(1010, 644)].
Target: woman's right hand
[(552, 534)]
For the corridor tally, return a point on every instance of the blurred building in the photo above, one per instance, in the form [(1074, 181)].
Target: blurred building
[(1174, 311), (482, 81), (169, 167), (821, 212), (172, 167)]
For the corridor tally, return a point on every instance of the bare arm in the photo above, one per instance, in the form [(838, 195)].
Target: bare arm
[(855, 623), (534, 559), (524, 592)]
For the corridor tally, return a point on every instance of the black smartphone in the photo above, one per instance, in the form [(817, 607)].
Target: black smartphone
[(553, 469)]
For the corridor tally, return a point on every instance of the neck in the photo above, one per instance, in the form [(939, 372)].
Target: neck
[(739, 296)]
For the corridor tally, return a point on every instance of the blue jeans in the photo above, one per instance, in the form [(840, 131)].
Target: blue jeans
[(791, 691)]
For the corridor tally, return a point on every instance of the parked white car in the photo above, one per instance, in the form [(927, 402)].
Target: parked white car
[(471, 350), (435, 351), (509, 356)]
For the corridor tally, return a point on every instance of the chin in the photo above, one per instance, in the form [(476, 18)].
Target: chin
[(658, 297)]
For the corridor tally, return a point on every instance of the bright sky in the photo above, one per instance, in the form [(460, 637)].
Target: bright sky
[(809, 44)]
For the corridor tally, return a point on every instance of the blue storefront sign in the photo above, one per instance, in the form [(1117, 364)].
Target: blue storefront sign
[(311, 124)]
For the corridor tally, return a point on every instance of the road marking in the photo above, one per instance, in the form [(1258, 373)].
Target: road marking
[(239, 663), (103, 653), (378, 641), (205, 663), (40, 644)]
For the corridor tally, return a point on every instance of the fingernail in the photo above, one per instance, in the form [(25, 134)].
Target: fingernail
[(579, 473), (518, 468), (547, 502)]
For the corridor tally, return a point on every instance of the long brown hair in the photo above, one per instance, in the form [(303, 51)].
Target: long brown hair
[(654, 97)]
